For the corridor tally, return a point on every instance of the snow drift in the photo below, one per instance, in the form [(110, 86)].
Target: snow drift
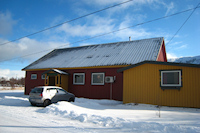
[(97, 112), (87, 115)]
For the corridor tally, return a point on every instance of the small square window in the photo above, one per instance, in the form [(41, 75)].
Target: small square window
[(171, 78), (43, 76), (98, 78), (33, 76), (79, 78)]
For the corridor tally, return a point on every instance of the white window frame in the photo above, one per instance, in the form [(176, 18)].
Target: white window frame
[(33, 76), (97, 83), (74, 75), (43, 76), (171, 85)]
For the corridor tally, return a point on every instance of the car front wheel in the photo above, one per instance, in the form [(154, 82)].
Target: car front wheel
[(71, 100)]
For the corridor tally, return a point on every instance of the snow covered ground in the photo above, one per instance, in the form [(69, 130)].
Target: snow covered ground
[(86, 115), (10, 88)]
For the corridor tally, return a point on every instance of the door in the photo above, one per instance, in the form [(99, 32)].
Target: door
[(60, 95), (51, 80)]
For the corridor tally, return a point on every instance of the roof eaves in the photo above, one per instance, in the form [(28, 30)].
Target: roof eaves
[(158, 62), (56, 71)]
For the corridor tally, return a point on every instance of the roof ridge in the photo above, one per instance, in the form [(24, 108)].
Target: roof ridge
[(107, 43)]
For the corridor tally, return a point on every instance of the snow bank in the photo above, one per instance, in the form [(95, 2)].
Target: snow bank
[(87, 115), (74, 112), (98, 112)]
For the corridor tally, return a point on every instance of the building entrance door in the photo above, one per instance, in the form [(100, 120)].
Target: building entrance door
[(51, 80)]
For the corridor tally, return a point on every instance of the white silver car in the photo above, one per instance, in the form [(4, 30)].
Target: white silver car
[(45, 95)]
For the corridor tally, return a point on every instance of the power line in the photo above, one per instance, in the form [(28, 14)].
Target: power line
[(65, 22), (105, 33), (183, 24)]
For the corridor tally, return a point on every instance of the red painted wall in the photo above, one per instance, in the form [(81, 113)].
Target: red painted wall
[(97, 91), (162, 54), (31, 83), (87, 90)]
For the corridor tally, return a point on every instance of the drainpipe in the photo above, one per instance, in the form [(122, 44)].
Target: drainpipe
[(110, 91)]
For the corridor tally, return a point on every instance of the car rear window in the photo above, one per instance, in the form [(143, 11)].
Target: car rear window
[(37, 90)]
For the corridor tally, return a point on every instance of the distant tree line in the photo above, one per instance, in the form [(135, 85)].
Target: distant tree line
[(12, 82)]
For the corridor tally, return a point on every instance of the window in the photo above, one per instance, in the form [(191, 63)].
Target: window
[(52, 90), (33, 76), (57, 79), (43, 76), (98, 78), (37, 90), (59, 91), (171, 78), (79, 79)]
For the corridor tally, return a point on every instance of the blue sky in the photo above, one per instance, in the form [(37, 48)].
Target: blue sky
[(19, 18)]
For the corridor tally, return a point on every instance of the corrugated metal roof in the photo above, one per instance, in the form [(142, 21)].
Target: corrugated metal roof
[(118, 53)]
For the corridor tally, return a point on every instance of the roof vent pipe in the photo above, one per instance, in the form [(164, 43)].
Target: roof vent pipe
[(129, 38)]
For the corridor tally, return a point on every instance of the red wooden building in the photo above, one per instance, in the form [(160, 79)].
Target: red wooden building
[(91, 71)]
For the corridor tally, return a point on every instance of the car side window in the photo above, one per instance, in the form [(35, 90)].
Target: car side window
[(51, 90), (61, 91)]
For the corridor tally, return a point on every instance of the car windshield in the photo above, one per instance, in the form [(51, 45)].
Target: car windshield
[(37, 90)]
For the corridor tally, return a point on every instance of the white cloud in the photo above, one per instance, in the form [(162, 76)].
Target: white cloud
[(94, 26), (170, 7), (6, 73), (182, 47), (176, 43), (112, 2), (171, 56), (102, 2), (135, 32), (134, 5), (27, 46), (6, 23)]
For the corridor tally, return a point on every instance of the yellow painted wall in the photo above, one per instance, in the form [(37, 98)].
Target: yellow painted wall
[(141, 84), (46, 81), (57, 80), (64, 82)]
